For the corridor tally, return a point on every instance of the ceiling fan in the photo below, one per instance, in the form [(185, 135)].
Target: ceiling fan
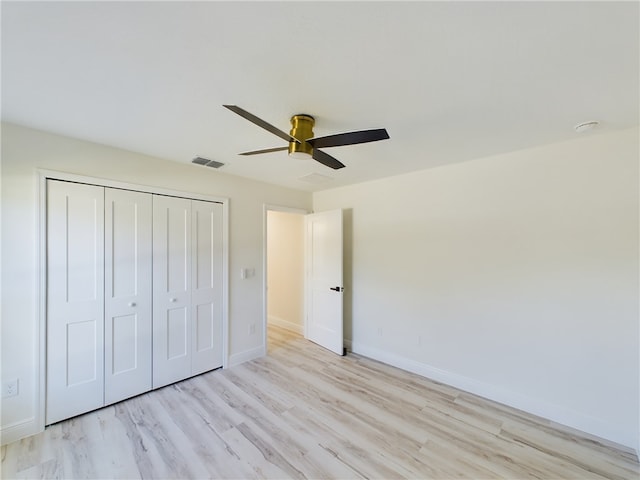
[(302, 144)]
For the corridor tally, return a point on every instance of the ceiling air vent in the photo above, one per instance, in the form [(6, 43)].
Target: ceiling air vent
[(207, 163), (315, 178)]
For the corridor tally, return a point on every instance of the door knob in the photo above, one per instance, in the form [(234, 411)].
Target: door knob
[(173, 300), (132, 304), (336, 289)]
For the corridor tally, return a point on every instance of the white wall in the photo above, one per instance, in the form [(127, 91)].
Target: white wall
[(23, 151), (285, 270), (513, 276)]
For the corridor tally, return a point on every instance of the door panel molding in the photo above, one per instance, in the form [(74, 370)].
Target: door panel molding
[(75, 306), (127, 294), (206, 304), (172, 264)]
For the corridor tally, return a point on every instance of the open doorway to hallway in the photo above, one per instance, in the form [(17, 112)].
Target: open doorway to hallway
[(284, 285)]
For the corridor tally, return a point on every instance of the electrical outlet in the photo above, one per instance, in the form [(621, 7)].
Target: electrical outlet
[(10, 388)]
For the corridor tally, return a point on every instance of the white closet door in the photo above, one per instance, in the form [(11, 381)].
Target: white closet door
[(171, 290), (206, 294), (128, 230), (75, 299)]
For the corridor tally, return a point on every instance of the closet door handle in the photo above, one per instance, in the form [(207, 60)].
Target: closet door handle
[(132, 304), (173, 300)]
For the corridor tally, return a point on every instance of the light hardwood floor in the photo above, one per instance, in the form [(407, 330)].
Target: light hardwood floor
[(302, 412)]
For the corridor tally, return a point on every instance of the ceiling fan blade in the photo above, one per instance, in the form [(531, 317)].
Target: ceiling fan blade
[(261, 123), (266, 150), (326, 159), (350, 138)]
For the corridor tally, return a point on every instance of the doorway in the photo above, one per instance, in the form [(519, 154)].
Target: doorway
[(284, 275)]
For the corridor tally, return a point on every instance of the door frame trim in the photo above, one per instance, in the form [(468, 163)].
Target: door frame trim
[(41, 287), (265, 210)]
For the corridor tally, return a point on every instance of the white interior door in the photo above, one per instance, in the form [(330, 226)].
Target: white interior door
[(323, 265), (75, 299), (207, 287), (171, 290), (128, 230)]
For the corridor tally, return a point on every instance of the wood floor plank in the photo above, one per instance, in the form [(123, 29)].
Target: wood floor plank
[(296, 445), (362, 446), (303, 412), (257, 457), (204, 444), (571, 451)]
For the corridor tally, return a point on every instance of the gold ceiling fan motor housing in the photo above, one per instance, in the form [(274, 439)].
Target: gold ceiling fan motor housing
[(302, 129)]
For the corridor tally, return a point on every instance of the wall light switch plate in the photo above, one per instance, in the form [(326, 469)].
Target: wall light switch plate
[(247, 273), (10, 388)]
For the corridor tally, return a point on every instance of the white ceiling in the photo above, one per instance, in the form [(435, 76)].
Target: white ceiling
[(451, 81)]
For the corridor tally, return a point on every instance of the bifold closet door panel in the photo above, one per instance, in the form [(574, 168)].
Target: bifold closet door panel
[(206, 295), (171, 289), (75, 299), (128, 290)]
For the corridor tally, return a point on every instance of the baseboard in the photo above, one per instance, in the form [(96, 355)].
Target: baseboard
[(238, 358), (561, 415), (280, 322), (16, 431)]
